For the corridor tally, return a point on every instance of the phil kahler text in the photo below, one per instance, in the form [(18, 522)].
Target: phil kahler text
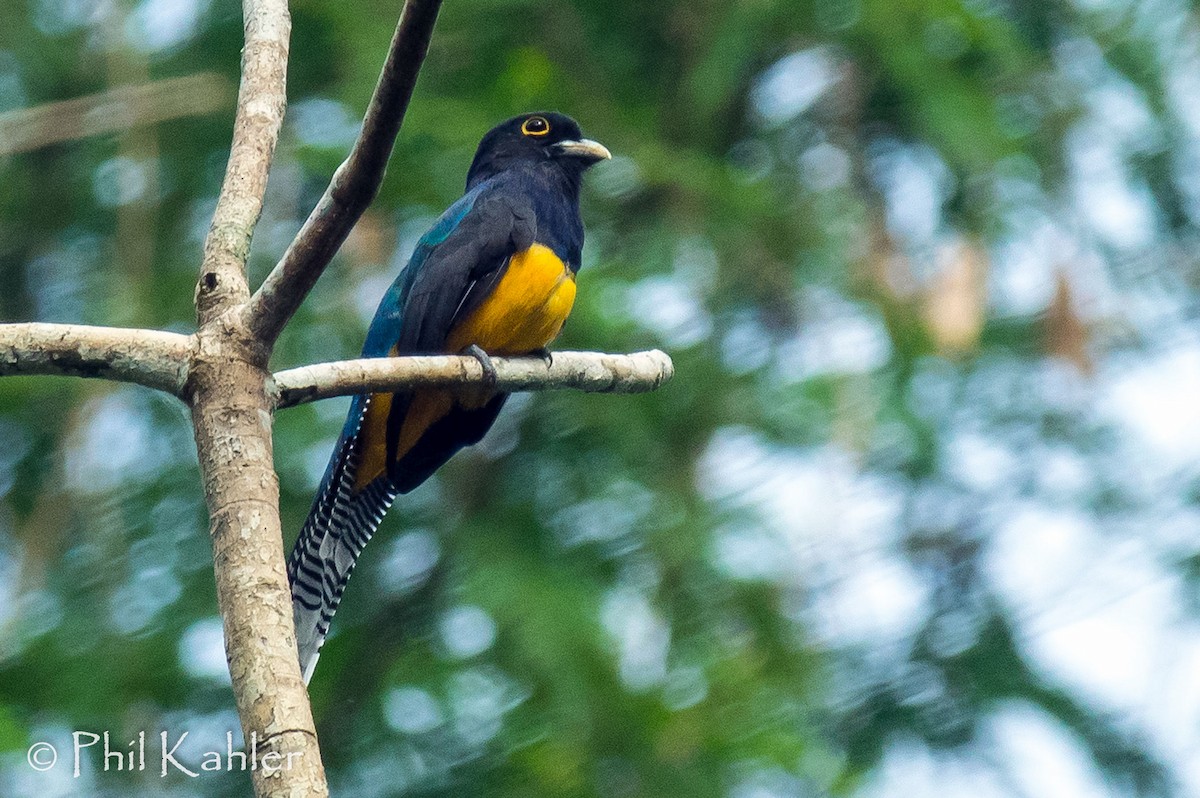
[(172, 755)]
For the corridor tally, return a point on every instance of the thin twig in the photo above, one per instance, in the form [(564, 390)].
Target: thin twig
[(354, 184), (586, 371), (145, 357)]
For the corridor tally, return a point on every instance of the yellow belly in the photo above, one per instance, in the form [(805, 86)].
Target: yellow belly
[(524, 313), (526, 310)]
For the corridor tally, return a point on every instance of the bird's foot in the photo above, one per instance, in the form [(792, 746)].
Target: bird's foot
[(485, 362), (545, 354)]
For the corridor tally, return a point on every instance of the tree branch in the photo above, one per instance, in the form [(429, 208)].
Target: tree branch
[(262, 97), (586, 371), (113, 111), (354, 184), (231, 419), (145, 357)]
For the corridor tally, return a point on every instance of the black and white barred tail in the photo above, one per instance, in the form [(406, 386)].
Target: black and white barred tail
[(338, 527)]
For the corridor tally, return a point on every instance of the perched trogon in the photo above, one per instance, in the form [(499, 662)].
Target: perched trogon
[(495, 275)]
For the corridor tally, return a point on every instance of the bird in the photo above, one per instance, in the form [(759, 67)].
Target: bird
[(494, 275)]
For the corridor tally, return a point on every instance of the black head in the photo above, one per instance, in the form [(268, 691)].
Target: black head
[(537, 138)]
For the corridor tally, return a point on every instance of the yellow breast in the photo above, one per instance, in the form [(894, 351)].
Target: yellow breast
[(525, 311)]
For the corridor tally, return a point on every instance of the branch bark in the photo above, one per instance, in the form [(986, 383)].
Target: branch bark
[(262, 97), (587, 371), (354, 184), (231, 418), (145, 357)]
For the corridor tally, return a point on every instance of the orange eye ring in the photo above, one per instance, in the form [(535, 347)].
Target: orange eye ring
[(535, 126)]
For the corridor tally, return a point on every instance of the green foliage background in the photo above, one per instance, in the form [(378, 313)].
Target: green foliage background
[(904, 253)]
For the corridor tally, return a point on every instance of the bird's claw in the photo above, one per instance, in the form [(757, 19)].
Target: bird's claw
[(545, 354), (485, 362)]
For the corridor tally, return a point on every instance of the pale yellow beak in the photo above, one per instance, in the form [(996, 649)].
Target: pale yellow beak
[(587, 149)]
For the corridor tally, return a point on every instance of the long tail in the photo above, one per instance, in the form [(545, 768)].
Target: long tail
[(338, 527), (344, 517)]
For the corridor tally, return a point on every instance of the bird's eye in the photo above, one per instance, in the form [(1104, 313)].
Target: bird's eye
[(535, 126)]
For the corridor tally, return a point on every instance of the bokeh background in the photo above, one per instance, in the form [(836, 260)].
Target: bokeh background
[(918, 516)]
